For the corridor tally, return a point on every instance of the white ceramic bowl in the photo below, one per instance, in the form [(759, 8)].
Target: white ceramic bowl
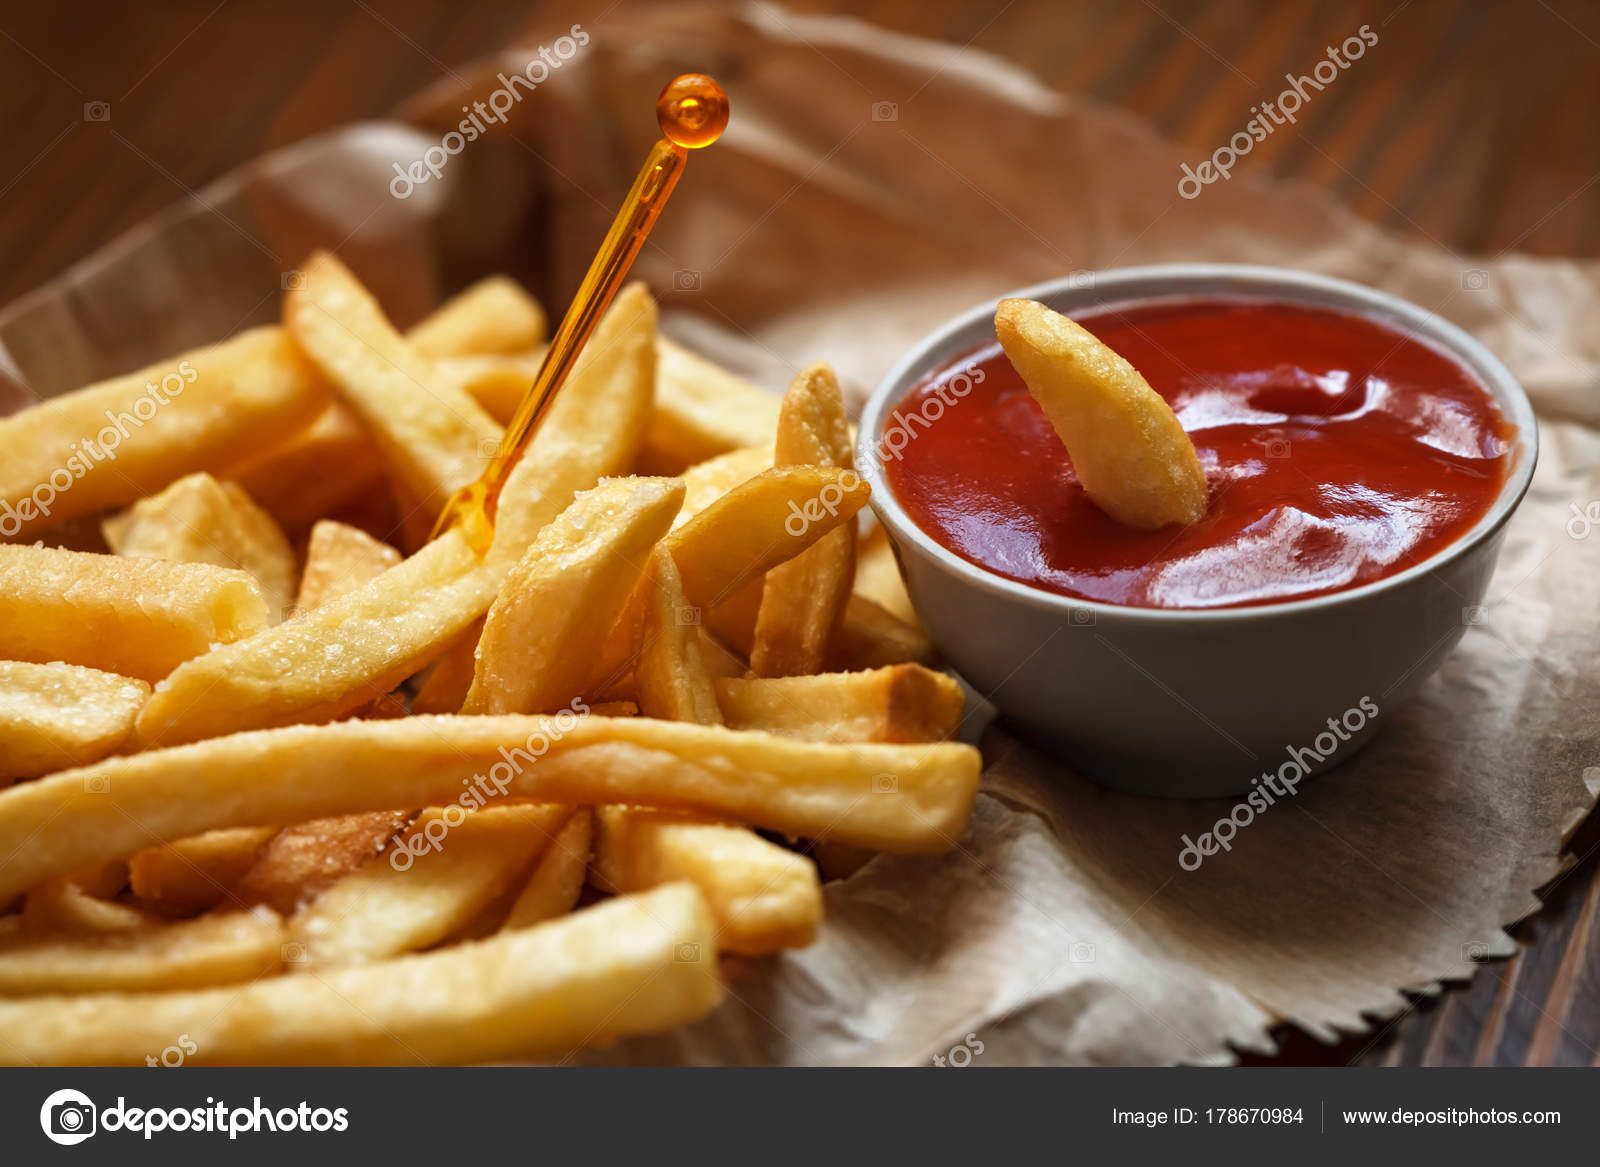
[(1198, 703)]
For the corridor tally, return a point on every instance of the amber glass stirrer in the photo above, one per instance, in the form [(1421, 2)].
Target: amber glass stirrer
[(692, 111)]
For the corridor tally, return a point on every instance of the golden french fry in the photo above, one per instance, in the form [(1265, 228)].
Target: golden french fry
[(435, 878), (212, 950), (802, 600), (902, 798), (719, 659), (900, 703), (878, 576), (200, 520), (301, 862), (448, 681), (494, 315), (671, 676), (557, 880), (314, 472), (763, 897), (325, 662), (705, 482), (113, 442), (563, 597), (498, 383), (870, 638), (434, 438), (137, 617), (67, 907), (339, 560), (703, 410), (1127, 446), (637, 964), (55, 716), (594, 427), (195, 874)]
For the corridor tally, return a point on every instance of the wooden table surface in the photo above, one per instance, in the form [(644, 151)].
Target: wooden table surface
[(1475, 129)]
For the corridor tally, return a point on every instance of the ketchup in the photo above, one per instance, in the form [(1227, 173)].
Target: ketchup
[(1338, 451)]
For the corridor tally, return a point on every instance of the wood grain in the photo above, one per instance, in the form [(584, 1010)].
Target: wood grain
[(1471, 126)]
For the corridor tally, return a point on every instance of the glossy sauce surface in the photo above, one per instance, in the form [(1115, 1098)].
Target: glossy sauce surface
[(1337, 451)]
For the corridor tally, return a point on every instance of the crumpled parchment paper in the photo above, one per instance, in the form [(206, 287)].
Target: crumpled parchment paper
[(871, 186)]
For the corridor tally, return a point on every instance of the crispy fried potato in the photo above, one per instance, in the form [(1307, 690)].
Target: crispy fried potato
[(671, 676), (202, 410), (1127, 446), (447, 683), (301, 862), (437, 876), (314, 472), (634, 965), (763, 897), (319, 664), (901, 798), (557, 880), (497, 383), (136, 617), (212, 950), (66, 907), (434, 438), (871, 638), (494, 315), (200, 520), (340, 559), (878, 576), (56, 716), (802, 600), (703, 410), (705, 482), (563, 597), (195, 874), (594, 428), (900, 703)]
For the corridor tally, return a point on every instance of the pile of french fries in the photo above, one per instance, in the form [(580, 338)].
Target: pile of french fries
[(289, 780)]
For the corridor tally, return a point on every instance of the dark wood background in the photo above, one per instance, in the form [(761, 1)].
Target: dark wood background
[(1478, 129)]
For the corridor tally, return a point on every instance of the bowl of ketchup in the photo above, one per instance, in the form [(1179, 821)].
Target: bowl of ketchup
[(1362, 457)]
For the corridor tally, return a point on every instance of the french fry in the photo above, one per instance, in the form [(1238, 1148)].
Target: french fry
[(763, 897), (703, 410), (201, 520), (869, 637), (719, 659), (195, 874), (65, 906), (1127, 446), (705, 482), (55, 716), (557, 880), (900, 703), (66, 458), (434, 438), (878, 576), (637, 964), (314, 472), (447, 683), (803, 599), (301, 862), (901, 798), (212, 950), (340, 559), (435, 879), (594, 428), (497, 383), (671, 676), (494, 315), (565, 595), (323, 663), (136, 617)]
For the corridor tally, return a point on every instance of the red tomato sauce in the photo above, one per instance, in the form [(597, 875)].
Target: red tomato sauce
[(1338, 451)]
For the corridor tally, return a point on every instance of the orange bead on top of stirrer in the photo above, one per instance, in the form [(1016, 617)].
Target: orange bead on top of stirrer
[(692, 111)]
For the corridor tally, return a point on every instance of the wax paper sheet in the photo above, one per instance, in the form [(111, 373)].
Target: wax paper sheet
[(872, 185)]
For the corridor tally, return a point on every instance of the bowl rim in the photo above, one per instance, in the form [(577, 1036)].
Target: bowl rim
[(1142, 284)]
